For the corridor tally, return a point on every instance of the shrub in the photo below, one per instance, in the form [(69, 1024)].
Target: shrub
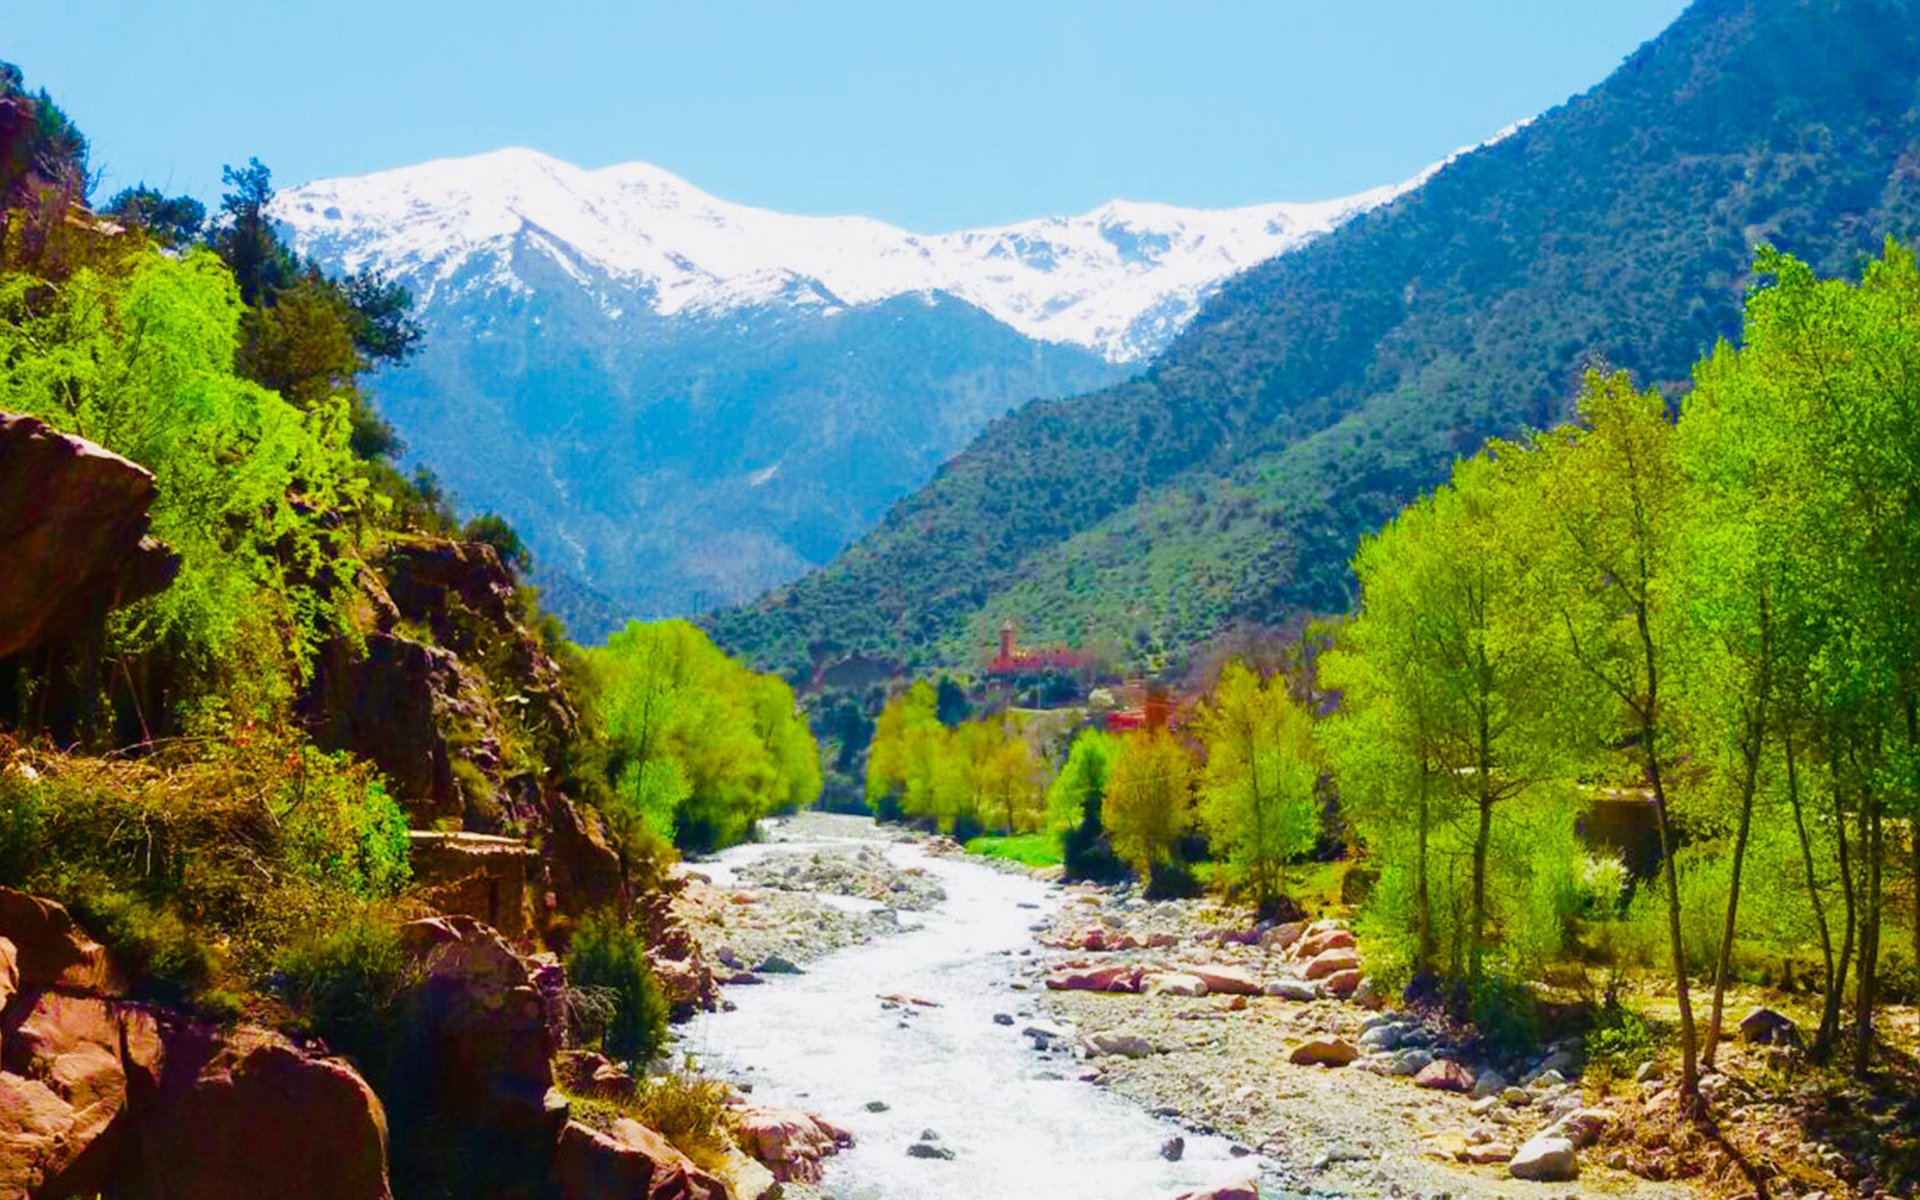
[(609, 953), (687, 1110), (167, 961), (345, 984), (1619, 1041)]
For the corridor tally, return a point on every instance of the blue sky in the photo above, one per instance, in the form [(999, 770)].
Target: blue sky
[(932, 115)]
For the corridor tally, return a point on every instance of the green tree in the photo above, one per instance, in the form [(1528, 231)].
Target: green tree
[(1602, 505), (1257, 803), (1148, 803), (1075, 799)]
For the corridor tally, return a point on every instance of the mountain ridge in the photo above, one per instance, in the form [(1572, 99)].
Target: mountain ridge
[(1119, 278), (1318, 392)]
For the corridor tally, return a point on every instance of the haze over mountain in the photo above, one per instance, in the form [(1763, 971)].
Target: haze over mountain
[(1319, 392), (681, 401)]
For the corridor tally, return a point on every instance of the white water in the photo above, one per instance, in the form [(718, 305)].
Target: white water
[(821, 1041)]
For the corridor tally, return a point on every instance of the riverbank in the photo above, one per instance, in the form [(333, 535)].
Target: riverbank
[(1375, 1110)]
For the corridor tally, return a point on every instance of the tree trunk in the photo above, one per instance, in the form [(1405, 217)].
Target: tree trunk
[(1426, 900), (1829, 1033), (1806, 858), (1480, 846), (1755, 742), (1864, 991), (1689, 1064)]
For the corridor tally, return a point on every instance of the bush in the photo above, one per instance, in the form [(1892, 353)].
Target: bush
[(688, 1111), (1620, 1041), (167, 962), (1502, 1009), (608, 953), (345, 985)]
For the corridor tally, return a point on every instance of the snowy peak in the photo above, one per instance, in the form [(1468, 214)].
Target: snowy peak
[(1121, 280)]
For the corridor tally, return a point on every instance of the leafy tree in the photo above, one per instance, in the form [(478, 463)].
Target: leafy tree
[(1148, 803), (143, 364), (1074, 805), (173, 221), (1257, 801), (493, 529), (1602, 505), (701, 747)]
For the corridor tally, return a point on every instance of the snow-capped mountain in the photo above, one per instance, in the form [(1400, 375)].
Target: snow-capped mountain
[(681, 401), (1120, 280)]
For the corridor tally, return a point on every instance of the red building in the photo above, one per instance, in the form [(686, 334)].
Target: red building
[(1013, 660)]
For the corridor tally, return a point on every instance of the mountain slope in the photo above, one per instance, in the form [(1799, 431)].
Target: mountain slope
[(1318, 392), (682, 402)]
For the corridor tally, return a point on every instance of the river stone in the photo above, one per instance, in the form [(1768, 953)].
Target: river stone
[(1545, 1158), (1445, 1075), (1126, 1045), (1175, 984), (1003, 1018), (1333, 962), (929, 1150), (1412, 1062), (877, 1106), (1765, 1026), (1583, 1127), (778, 964), (1173, 1148), (1488, 1083), (1331, 1052), (1293, 989)]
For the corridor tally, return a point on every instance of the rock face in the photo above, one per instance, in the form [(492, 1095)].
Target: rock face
[(101, 1095), (487, 1047), (395, 705), (631, 1163), (231, 1109), (475, 875), (73, 533), (790, 1143)]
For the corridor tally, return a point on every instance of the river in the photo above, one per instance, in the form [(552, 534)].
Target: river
[(1018, 1123)]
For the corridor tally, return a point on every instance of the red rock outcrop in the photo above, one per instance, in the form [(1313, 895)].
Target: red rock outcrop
[(631, 1163), (243, 1114), (788, 1142), (73, 533)]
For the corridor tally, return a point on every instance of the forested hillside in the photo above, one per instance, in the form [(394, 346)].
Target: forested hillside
[(1319, 392)]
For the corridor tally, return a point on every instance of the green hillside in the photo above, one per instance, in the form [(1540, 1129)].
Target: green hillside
[(1322, 390)]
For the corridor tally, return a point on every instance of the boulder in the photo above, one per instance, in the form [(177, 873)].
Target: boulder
[(1545, 1158), (50, 950), (1486, 1153), (1328, 1052), (1445, 1075), (1320, 943), (1096, 979), (9, 971), (73, 533), (1226, 980), (243, 1114), (1488, 1083), (1175, 984), (1332, 962), (1247, 1189), (631, 1163), (1368, 995), (1283, 937), (1411, 1062), (585, 1073), (790, 1143), (1293, 989), (1584, 1126), (1342, 983), (63, 1092), (487, 1042), (1764, 1026), (1126, 1045)]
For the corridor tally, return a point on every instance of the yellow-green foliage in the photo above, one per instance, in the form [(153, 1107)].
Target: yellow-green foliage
[(206, 859), (140, 358), (701, 747), (1148, 805), (1257, 802), (982, 773)]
